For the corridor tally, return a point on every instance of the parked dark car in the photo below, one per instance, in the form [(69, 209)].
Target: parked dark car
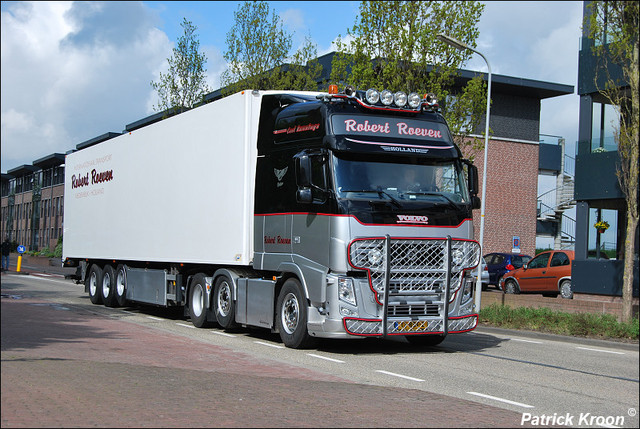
[(499, 264)]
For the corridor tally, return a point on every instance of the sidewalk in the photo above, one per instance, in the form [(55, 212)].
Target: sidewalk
[(38, 264)]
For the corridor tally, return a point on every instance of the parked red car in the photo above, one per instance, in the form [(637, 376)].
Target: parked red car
[(549, 273)]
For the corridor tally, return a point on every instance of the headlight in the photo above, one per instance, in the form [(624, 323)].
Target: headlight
[(457, 257), (414, 100), (400, 98), (373, 96), (386, 97), (346, 292), (374, 256)]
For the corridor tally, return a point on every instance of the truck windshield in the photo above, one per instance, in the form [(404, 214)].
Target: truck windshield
[(414, 179)]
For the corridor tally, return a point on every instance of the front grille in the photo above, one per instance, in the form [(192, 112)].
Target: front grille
[(415, 265), (412, 310)]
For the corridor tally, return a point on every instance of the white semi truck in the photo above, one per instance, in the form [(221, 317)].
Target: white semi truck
[(314, 215)]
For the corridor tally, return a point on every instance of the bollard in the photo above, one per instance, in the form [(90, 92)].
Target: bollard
[(19, 263)]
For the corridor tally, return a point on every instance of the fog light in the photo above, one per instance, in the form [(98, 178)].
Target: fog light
[(386, 97), (373, 96), (414, 100), (347, 311), (400, 98)]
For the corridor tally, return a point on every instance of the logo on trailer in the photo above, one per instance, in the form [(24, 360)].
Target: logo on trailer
[(413, 219), (279, 175)]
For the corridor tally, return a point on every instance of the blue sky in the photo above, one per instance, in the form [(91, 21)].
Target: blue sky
[(73, 71)]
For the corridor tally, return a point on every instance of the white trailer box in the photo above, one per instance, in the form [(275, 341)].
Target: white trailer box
[(180, 190)]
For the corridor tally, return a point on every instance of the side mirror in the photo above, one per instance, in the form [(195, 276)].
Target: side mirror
[(304, 195), (525, 266), (475, 202), (472, 177), (303, 170)]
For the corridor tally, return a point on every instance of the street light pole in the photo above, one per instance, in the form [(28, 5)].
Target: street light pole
[(461, 45)]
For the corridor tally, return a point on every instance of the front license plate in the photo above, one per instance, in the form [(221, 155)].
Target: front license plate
[(412, 325)]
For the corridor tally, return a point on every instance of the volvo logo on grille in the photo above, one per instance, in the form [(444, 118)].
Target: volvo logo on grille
[(413, 219)]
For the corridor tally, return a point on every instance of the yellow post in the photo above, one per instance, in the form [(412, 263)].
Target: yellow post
[(19, 263)]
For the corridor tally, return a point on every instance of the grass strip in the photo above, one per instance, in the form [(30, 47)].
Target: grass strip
[(603, 326)]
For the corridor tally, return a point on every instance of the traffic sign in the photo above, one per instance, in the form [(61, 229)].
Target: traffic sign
[(21, 249)]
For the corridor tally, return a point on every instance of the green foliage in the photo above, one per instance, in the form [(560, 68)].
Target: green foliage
[(184, 85), (394, 45), (556, 322), (259, 57)]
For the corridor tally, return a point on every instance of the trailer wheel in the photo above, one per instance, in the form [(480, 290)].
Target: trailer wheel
[(291, 316), (109, 286), (197, 303), (223, 301), (92, 283), (425, 340), (121, 286)]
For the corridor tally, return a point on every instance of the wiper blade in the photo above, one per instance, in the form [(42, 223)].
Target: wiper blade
[(435, 194), (380, 193)]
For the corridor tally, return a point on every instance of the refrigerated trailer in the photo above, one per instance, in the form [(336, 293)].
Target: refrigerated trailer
[(315, 215)]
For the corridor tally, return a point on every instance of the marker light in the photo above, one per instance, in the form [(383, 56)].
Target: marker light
[(333, 89), (414, 100), (373, 96), (400, 98), (386, 97)]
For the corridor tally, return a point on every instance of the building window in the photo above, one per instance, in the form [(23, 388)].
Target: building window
[(604, 123), (603, 245)]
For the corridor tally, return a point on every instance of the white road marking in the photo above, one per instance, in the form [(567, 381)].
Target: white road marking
[(399, 375), (153, 318), (506, 401), (185, 325), (527, 341), (325, 358), (600, 350), (224, 334), (275, 346)]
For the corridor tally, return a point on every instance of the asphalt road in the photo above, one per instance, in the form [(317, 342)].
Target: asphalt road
[(55, 343)]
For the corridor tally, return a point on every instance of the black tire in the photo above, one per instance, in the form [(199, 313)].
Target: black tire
[(565, 289), (93, 282), (108, 286), (121, 286), (223, 302), (425, 340), (511, 286), (197, 301), (292, 316)]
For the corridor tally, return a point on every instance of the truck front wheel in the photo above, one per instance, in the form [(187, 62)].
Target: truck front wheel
[(197, 303), (291, 316), (223, 300), (93, 284)]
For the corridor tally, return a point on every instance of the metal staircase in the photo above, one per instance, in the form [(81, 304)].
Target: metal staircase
[(553, 204)]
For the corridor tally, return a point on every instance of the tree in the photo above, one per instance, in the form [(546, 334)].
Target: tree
[(184, 84), (614, 27), (258, 53), (393, 45)]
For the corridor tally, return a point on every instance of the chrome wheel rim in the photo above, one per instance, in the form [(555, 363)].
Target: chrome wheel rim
[(120, 284), (106, 285), (197, 301), (93, 284), (224, 299), (290, 313)]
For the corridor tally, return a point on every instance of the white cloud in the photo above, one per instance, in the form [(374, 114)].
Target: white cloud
[(73, 71)]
